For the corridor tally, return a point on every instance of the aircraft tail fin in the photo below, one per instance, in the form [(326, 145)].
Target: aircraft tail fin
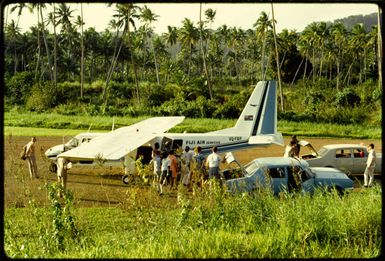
[(259, 116)]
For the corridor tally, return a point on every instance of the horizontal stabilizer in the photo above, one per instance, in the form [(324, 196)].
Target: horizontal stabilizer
[(267, 139)]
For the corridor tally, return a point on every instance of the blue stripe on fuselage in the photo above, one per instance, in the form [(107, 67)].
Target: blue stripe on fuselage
[(230, 147)]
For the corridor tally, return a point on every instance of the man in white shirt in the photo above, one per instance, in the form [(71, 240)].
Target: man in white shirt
[(370, 165), (212, 162)]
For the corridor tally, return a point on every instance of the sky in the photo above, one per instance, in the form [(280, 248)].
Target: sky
[(241, 15)]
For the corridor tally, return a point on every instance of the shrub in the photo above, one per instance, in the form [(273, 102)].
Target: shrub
[(41, 99), (347, 97), (18, 87)]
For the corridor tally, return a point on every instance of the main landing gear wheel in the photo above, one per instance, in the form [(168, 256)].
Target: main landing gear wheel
[(125, 179), (53, 167)]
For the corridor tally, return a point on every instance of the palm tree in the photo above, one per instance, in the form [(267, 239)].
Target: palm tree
[(339, 37), (277, 58), (262, 26), (81, 21), (126, 14), (52, 19), (359, 42), (188, 35), (13, 38), (224, 36), (203, 50), (171, 37), (148, 17)]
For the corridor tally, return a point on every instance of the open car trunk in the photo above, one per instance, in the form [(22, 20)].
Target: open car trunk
[(311, 152)]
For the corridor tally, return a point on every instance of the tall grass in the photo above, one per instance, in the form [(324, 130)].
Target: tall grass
[(212, 224)]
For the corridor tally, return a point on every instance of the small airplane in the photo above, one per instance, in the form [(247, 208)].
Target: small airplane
[(256, 126)]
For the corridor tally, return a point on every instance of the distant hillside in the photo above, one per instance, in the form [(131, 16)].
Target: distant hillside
[(367, 20)]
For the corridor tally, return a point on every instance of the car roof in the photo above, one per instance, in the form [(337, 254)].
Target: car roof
[(344, 146), (279, 161)]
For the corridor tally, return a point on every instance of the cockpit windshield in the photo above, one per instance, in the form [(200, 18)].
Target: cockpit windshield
[(72, 143)]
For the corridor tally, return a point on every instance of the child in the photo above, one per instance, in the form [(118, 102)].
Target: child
[(165, 171), (157, 166)]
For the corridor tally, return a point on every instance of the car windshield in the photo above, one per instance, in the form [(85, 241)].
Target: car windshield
[(308, 173), (250, 168), (322, 151)]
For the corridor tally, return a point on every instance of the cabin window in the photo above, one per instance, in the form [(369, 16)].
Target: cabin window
[(176, 144)]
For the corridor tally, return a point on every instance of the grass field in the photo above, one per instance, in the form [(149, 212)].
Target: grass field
[(207, 225), (19, 124)]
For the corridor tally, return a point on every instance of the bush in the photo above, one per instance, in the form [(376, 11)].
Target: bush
[(347, 98), (41, 99), (18, 87)]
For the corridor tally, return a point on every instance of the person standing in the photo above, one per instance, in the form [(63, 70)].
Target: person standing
[(370, 165), (62, 166), (296, 146), (187, 157), (173, 168), (212, 162), (155, 149), (290, 149), (164, 176), (30, 157), (156, 160), (200, 165)]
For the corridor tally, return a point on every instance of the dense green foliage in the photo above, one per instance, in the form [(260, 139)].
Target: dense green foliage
[(209, 224), (318, 103)]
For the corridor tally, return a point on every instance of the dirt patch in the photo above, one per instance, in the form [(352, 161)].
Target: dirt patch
[(98, 186)]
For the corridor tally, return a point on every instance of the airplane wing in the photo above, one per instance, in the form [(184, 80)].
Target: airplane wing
[(118, 143)]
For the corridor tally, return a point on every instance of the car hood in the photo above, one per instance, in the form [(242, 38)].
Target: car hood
[(328, 173), (238, 184)]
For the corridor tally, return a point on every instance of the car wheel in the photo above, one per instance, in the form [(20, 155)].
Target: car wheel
[(53, 167)]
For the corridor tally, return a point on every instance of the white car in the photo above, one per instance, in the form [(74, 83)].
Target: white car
[(350, 158)]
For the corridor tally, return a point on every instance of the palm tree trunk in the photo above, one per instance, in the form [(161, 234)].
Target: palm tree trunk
[(82, 55), (54, 50), (46, 46), (277, 59), (204, 53), (379, 47), (296, 72), (156, 64), (38, 50)]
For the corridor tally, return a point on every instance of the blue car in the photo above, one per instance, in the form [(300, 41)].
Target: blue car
[(288, 174)]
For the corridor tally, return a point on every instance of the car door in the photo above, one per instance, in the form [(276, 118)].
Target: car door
[(307, 177), (359, 161), (344, 159), (278, 179)]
